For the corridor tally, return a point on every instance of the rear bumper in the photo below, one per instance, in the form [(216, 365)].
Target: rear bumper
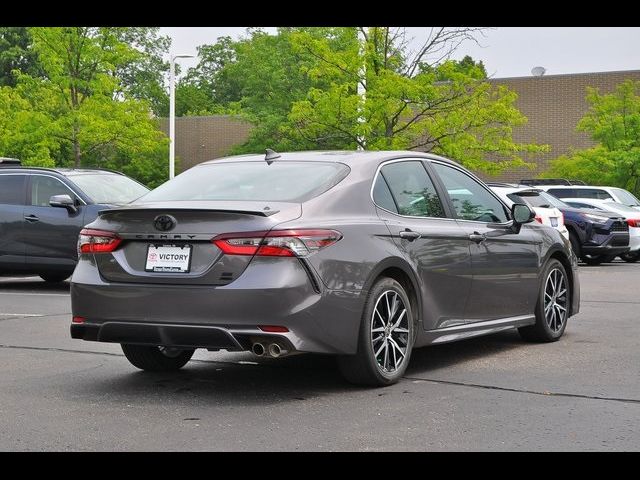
[(269, 292)]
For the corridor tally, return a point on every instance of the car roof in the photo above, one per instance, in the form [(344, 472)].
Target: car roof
[(67, 172), (348, 157), (508, 190), (580, 187)]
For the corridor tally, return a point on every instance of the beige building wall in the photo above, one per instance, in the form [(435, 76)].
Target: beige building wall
[(553, 105), (199, 139)]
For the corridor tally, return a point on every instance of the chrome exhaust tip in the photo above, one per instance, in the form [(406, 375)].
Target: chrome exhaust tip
[(274, 350), (258, 349)]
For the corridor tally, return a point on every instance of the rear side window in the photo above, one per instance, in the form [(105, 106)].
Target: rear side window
[(251, 181), (12, 189), (412, 189), (382, 195)]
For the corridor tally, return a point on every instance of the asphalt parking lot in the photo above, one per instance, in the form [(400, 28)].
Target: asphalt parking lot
[(493, 393)]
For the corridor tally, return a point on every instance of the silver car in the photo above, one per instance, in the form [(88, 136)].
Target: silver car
[(362, 255)]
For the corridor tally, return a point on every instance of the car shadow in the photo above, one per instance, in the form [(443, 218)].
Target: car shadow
[(275, 381), (32, 284)]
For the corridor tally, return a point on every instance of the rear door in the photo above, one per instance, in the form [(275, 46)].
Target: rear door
[(12, 200), (505, 266), (435, 245), (51, 233)]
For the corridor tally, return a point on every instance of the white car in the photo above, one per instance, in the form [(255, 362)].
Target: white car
[(545, 213), (631, 215), (586, 192)]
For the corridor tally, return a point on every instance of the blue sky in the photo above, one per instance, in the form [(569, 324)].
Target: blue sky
[(505, 51)]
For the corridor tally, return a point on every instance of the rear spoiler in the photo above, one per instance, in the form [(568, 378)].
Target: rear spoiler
[(250, 208)]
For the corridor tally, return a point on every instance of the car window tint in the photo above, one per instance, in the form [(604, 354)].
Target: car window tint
[(471, 200), (533, 199), (280, 181), (593, 193), (382, 195), (563, 192), (12, 189), (582, 205), (412, 189), (43, 188)]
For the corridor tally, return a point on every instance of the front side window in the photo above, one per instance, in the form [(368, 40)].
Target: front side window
[(43, 188), (412, 190), (12, 189), (470, 199)]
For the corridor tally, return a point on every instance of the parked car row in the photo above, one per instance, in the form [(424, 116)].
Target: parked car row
[(602, 222)]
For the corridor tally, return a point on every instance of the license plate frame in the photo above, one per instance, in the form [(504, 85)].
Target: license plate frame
[(169, 266)]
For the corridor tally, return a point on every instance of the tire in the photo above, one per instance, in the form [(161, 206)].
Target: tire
[(608, 258), (631, 257), (156, 359), (550, 327), (377, 336), (594, 260), (56, 277)]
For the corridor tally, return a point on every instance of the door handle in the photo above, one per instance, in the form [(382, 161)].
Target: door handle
[(477, 237), (409, 235), (31, 218)]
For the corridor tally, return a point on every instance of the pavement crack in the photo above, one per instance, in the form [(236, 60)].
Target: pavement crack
[(530, 392)]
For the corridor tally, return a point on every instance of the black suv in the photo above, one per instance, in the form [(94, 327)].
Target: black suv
[(596, 236), (42, 211)]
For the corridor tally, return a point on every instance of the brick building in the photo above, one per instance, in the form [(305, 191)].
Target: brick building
[(553, 105)]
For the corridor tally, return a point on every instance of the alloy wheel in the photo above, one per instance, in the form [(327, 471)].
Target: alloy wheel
[(389, 331), (555, 300)]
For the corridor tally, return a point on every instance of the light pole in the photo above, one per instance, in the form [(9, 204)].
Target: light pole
[(172, 113)]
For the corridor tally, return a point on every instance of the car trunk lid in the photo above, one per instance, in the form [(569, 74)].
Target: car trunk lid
[(182, 233)]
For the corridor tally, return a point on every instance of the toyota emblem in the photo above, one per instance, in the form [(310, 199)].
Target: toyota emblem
[(164, 223)]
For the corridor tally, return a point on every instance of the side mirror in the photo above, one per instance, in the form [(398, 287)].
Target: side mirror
[(63, 201), (522, 213)]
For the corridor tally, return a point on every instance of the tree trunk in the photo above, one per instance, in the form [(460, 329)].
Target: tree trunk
[(76, 146)]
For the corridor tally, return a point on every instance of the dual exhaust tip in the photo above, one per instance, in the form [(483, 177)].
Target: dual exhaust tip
[(269, 350)]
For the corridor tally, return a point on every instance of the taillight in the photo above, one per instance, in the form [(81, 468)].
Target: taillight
[(97, 241), (277, 243), (633, 222), (538, 218), (561, 221)]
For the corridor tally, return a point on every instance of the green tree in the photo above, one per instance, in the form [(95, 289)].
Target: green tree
[(613, 121), (414, 100), (81, 113), (16, 55)]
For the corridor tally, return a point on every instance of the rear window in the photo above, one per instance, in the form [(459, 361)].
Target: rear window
[(534, 199), (251, 181)]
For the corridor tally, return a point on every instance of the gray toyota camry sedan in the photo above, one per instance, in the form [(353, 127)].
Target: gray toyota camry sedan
[(362, 255)]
